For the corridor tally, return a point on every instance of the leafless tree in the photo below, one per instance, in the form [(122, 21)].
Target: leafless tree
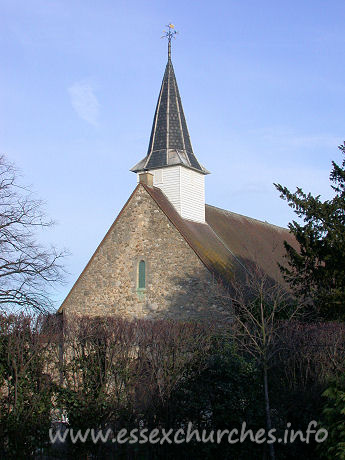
[(26, 341), (98, 356), (131, 365), (172, 350), (261, 309), (312, 352), (27, 268)]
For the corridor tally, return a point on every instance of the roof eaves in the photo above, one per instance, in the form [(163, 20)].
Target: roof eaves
[(178, 221), (149, 190)]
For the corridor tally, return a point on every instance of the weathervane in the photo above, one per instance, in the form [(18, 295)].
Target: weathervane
[(169, 34)]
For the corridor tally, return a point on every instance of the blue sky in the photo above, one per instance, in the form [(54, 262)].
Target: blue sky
[(261, 83)]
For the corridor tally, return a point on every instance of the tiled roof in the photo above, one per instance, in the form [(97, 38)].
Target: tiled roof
[(201, 237), (229, 242), (251, 241), (169, 141)]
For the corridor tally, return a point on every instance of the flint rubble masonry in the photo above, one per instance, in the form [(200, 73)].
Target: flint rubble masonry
[(178, 285)]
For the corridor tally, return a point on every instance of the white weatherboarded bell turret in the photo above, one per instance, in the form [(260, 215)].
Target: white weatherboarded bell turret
[(170, 158)]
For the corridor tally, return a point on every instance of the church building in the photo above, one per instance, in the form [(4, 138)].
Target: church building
[(168, 254)]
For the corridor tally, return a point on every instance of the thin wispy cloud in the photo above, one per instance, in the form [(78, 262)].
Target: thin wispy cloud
[(85, 102)]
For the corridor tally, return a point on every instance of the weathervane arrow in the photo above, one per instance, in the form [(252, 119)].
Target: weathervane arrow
[(169, 34)]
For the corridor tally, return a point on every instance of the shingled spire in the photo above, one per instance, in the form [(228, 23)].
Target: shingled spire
[(169, 141)]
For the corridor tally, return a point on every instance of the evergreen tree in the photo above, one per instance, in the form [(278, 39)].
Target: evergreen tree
[(316, 271), (334, 420)]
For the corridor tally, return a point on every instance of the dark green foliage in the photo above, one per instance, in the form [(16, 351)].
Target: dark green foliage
[(120, 374), (310, 355), (316, 272), (334, 420), (227, 393), (219, 395)]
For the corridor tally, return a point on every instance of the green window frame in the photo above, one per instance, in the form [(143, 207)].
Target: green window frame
[(142, 275)]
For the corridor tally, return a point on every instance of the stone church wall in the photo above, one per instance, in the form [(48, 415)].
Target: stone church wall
[(178, 285)]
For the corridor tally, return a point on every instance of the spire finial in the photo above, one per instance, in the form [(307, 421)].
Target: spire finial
[(169, 141), (169, 34)]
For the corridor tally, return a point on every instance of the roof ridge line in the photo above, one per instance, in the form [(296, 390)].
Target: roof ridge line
[(248, 217)]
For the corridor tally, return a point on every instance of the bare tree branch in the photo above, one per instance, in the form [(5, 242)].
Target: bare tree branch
[(27, 269)]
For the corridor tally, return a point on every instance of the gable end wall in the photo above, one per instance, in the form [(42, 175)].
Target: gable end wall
[(178, 284)]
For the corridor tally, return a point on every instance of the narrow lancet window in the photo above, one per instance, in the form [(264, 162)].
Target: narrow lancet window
[(142, 275)]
